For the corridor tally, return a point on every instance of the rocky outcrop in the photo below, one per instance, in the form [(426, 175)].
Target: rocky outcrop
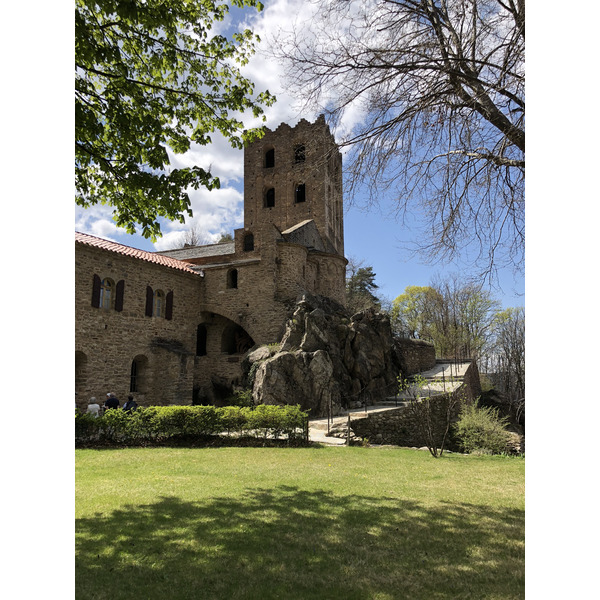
[(327, 360), (297, 377), (417, 355)]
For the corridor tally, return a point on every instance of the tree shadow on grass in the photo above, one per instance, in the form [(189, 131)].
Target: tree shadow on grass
[(290, 543)]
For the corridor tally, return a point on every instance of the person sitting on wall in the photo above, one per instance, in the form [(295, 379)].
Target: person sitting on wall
[(130, 405), (111, 401), (93, 407)]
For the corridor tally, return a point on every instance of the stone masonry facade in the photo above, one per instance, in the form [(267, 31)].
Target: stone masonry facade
[(171, 327), (119, 347)]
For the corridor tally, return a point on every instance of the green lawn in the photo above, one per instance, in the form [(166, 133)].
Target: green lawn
[(306, 523)]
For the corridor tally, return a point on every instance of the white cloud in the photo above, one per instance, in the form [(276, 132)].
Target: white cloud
[(97, 220), (214, 212), (219, 158), (279, 16), (275, 25)]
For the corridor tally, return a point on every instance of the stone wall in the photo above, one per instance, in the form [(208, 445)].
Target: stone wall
[(318, 168), (400, 426), (471, 383), (108, 341), (331, 276)]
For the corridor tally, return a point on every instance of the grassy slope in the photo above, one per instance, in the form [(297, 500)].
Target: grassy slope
[(314, 523)]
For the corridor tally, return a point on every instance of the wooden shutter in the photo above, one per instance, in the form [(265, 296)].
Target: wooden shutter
[(169, 307), (119, 296), (96, 285), (149, 301)]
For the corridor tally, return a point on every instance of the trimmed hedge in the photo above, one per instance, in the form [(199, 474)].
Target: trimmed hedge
[(161, 423)]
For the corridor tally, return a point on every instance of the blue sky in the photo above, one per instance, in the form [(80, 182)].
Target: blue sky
[(373, 236)]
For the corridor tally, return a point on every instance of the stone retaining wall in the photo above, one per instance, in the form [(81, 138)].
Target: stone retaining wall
[(400, 427)]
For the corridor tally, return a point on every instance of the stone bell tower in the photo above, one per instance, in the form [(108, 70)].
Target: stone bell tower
[(293, 175)]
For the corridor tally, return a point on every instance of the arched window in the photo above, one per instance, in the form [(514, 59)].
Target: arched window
[(158, 304), (133, 380), (158, 309), (299, 153), (106, 293), (300, 193), (138, 374), (232, 279), (201, 337), (248, 242), (270, 158), (270, 198)]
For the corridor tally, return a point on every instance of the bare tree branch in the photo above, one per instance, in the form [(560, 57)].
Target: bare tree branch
[(439, 86)]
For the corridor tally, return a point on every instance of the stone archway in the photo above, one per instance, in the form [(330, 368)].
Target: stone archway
[(221, 342), (235, 339), (211, 314)]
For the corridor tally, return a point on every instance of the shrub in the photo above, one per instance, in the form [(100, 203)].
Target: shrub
[(241, 398), (86, 426), (273, 420), (144, 423), (480, 429), (115, 424), (157, 423), (232, 419), (292, 420), (187, 420)]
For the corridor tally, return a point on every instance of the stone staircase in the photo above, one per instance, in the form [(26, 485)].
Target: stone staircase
[(446, 376)]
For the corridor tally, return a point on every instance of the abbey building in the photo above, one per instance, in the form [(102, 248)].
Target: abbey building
[(171, 327)]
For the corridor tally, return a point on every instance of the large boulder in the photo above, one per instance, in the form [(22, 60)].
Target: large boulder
[(304, 378), (328, 360)]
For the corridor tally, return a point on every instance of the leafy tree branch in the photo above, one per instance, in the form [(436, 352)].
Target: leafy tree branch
[(151, 77)]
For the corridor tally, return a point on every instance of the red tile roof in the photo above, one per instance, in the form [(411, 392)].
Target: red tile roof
[(159, 259)]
